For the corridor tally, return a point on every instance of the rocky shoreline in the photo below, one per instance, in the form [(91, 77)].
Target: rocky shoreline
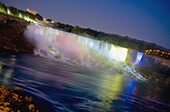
[(15, 100), (12, 34), (12, 41)]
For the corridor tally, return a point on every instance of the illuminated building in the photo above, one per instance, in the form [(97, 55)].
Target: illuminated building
[(31, 11), (44, 19), (50, 20)]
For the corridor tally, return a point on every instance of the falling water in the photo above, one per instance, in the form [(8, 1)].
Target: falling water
[(75, 49)]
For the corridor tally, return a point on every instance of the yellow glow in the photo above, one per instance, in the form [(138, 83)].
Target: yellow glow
[(52, 21), (52, 51), (44, 19), (119, 53), (36, 19), (109, 89)]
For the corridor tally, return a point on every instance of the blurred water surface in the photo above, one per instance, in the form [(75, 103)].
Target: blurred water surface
[(59, 87)]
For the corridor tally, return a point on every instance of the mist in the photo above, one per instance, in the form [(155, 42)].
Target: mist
[(78, 50)]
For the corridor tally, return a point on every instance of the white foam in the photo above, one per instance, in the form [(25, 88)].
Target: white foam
[(76, 49)]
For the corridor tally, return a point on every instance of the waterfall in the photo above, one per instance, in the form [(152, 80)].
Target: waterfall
[(83, 51)]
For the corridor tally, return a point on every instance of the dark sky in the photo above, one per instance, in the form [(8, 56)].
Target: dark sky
[(147, 20)]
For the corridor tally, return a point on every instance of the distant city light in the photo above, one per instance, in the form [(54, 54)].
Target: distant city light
[(44, 19), (52, 21), (36, 19)]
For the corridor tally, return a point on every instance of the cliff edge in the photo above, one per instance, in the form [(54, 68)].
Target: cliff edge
[(12, 35)]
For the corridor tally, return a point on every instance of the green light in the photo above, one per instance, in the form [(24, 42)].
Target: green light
[(52, 51), (20, 15), (8, 11)]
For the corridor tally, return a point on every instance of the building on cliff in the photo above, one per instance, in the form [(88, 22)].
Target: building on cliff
[(31, 11)]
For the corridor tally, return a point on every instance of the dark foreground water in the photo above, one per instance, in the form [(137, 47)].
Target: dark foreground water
[(60, 87)]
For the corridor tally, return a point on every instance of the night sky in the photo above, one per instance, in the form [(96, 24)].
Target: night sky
[(147, 20)]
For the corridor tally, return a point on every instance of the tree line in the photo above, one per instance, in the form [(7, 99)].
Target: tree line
[(19, 13), (123, 41)]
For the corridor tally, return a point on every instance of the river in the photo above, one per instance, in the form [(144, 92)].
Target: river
[(61, 87)]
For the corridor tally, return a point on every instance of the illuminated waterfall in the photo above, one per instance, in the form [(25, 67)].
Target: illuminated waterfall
[(138, 57), (56, 41), (108, 50), (76, 49)]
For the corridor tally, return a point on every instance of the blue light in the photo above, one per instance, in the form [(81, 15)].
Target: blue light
[(138, 57)]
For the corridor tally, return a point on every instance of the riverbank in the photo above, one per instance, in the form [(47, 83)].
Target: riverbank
[(12, 34), (12, 41), (156, 69)]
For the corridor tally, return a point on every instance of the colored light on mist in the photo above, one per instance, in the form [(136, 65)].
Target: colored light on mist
[(138, 57), (118, 53)]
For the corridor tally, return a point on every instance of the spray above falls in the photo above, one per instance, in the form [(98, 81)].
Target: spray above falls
[(79, 50)]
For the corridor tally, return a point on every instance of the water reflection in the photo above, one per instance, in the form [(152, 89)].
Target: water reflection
[(111, 86), (110, 89), (1, 68), (130, 87), (6, 68), (119, 94), (70, 88)]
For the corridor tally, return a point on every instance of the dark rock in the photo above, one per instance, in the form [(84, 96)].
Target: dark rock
[(12, 34)]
